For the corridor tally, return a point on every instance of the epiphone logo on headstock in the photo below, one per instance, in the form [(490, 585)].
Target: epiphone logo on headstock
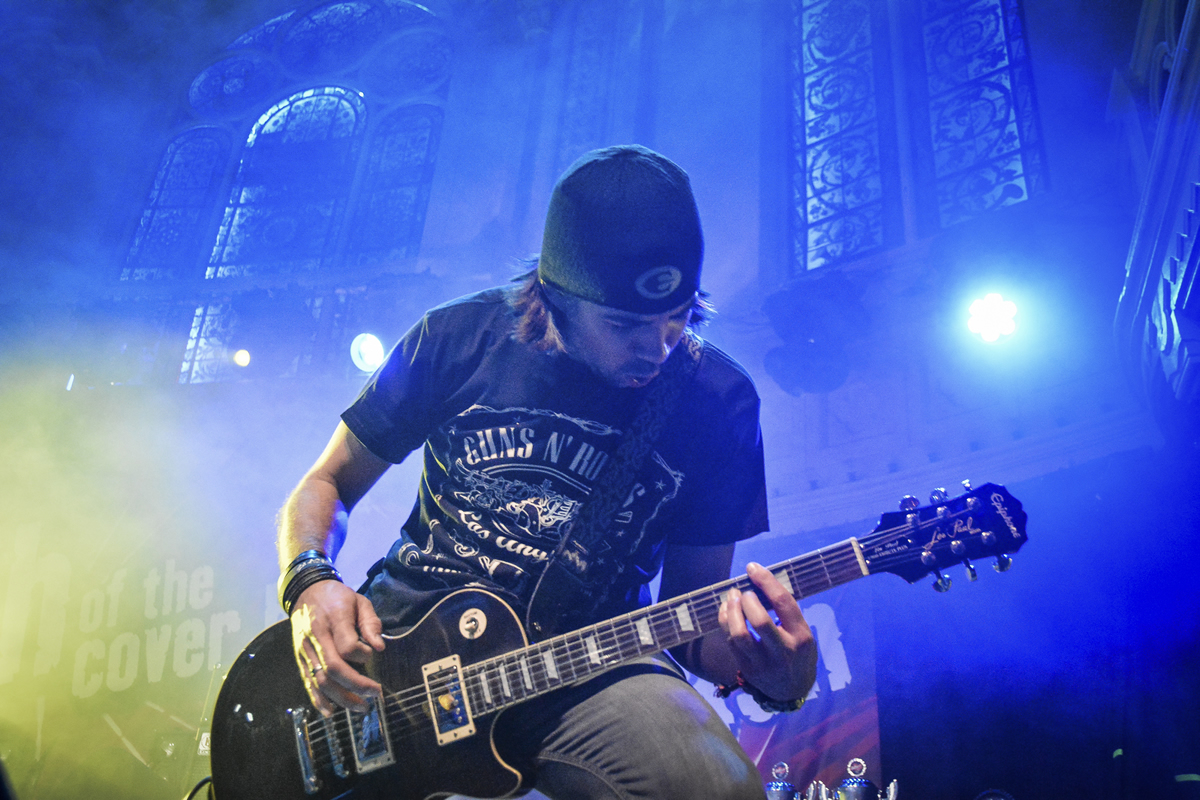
[(998, 504)]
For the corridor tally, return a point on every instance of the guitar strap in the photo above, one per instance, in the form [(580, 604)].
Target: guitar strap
[(587, 561)]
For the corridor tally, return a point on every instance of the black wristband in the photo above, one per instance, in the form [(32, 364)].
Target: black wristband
[(307, 555), (293, 583)]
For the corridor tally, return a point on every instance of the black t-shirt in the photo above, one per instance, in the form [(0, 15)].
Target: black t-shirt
[(514, 439)]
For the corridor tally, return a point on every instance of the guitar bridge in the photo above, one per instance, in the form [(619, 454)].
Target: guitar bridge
[(308, 772), (448, 706)]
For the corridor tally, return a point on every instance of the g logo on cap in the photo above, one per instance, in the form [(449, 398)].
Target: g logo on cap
[(658, 282)]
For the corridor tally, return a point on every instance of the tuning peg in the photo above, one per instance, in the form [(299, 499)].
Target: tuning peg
[(937, 496), (972, 573), (966, 485), (1003, 563), (909, 503), (942, 584)]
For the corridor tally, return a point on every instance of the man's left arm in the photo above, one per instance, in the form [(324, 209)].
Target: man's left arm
[(777, 658)]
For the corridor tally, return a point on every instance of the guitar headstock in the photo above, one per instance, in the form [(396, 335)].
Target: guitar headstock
[(922, 540)]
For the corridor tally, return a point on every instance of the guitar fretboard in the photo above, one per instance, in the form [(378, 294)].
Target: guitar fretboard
[(496, 683)]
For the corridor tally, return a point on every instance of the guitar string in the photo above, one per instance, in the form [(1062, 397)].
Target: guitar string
[(342, 729), (604, 639), (607, 636), (703, 608), (571, 653), (703, 605)]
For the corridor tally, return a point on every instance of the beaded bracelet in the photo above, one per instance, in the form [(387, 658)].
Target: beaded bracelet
[(311, 566), (764, 702)]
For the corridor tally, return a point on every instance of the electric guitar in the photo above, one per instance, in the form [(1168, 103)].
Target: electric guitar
[(447, 679)]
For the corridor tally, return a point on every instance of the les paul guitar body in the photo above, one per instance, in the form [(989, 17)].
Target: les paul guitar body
[(257, 751), (448, 679)]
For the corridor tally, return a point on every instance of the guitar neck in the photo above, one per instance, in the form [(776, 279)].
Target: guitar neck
[(497, 683)]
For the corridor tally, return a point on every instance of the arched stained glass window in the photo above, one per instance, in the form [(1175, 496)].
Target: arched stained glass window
[(395, 192), (326, 190), (179, 207), (289, 198)]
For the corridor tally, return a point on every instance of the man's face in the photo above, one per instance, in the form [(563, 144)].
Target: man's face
[(624, 348)]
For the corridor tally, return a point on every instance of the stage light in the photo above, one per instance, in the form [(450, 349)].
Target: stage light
[(992, 317), (367, 352), (242, 358)]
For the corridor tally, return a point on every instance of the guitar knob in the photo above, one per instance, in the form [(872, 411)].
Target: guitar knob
[(1003, 563), (938, 496), (942, 584), (972, 573), (909, 503)]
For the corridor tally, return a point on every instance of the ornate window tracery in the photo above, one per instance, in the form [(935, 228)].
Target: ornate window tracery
[(971, 116), (983, 129)]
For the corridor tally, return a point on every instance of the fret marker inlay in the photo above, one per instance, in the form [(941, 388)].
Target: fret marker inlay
[(525, 673), (592, 651), (551, 667), (504, 682), (643, 629), (685, 618), (782, 577)]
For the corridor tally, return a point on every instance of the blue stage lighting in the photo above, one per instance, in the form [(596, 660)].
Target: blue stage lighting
[(367, 352), (992, 317)]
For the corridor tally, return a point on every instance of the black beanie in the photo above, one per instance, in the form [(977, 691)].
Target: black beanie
[(622, 231)]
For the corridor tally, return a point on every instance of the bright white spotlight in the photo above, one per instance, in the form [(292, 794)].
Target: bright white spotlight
[(242, 358), (367, 352), (992, 317)]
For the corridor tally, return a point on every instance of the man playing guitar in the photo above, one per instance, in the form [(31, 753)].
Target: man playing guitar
[(520, 397)]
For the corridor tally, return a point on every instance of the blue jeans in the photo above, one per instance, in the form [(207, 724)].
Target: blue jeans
[(636, 732)]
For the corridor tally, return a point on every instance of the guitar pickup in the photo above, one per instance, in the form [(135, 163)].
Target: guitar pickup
[(369, 732), (448, 706)]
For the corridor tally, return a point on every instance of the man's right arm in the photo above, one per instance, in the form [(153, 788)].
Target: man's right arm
[(333, 627)]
